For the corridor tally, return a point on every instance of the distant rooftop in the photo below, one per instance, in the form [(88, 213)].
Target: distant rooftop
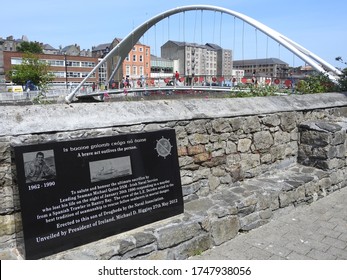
[(182, 44), (265, 61), (101, 47)]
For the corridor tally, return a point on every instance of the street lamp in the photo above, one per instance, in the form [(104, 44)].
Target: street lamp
[(65, 69)]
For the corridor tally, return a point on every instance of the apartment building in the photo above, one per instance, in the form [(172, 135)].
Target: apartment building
[(199, 62), (224, 61), (194, 59)]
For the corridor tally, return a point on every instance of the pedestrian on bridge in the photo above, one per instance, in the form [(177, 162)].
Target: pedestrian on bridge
[(177, 77)]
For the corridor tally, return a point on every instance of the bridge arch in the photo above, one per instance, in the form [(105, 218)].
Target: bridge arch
[(124, 47)]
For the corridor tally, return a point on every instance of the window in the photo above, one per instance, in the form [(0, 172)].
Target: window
[(87, 64), (134, 70), (141, 49), (127, 70), (134, 48), (85, 74), (134, 57), (141, 58), (59, 74), (141, 70), (16, 60), (76, 64), (73, 74), (73, 63), (56, 62)]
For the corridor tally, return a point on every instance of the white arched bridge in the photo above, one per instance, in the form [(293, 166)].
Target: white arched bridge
[(124, 47)]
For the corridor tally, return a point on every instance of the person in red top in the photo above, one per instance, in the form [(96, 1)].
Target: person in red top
[(177, 76)]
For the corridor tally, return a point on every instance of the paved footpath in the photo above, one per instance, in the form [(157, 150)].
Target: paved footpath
[(317, 231)]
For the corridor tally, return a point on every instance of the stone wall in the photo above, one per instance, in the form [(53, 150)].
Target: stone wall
[(238, 164)]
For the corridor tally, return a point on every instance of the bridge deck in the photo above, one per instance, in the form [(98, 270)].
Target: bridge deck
[(166, 89)]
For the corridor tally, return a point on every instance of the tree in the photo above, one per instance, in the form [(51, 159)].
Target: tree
[(31, 47), (33, 69), (343, 77), (339, 58)]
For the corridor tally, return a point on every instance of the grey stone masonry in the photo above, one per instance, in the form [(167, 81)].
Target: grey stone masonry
[(322, 145), (240, 161)]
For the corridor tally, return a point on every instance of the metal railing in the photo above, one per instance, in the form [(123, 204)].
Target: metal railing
[(30, 95)]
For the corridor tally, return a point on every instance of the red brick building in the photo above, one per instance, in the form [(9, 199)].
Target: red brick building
[(68, 70), (135, 66)]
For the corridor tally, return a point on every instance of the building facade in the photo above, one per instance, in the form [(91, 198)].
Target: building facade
[(2, 70), (68, 70), (198, 63), (136, 66), (163, 67), (264, 68), (194, 59), (224, 61), (138, 62), (11, 44)]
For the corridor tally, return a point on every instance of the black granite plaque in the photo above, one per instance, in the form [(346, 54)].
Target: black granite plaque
[(75, 192)]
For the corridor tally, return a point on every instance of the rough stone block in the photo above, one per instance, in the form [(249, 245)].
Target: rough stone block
[(249, 161), (265, 214), (221, 125), (263, 201), (271, 120), (176, 233), (281, 137), (338, 138), (201, 157), (7, 224), (288, 121), (251, 124), (250, 221), (197, 126), (244, 145), (196, 139), (236, 123), (194, 150), (182, 151), (7, 200), (230, 147), (194, 187), (192, 247), (214, 182), (278, 152), (142, 239), (315, 138), (287, 198), (224, 229), (263, 140)]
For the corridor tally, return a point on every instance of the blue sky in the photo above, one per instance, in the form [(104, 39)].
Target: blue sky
[(319, 26)]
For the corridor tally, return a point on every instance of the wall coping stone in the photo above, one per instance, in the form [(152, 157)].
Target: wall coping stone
[(18, 120)]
